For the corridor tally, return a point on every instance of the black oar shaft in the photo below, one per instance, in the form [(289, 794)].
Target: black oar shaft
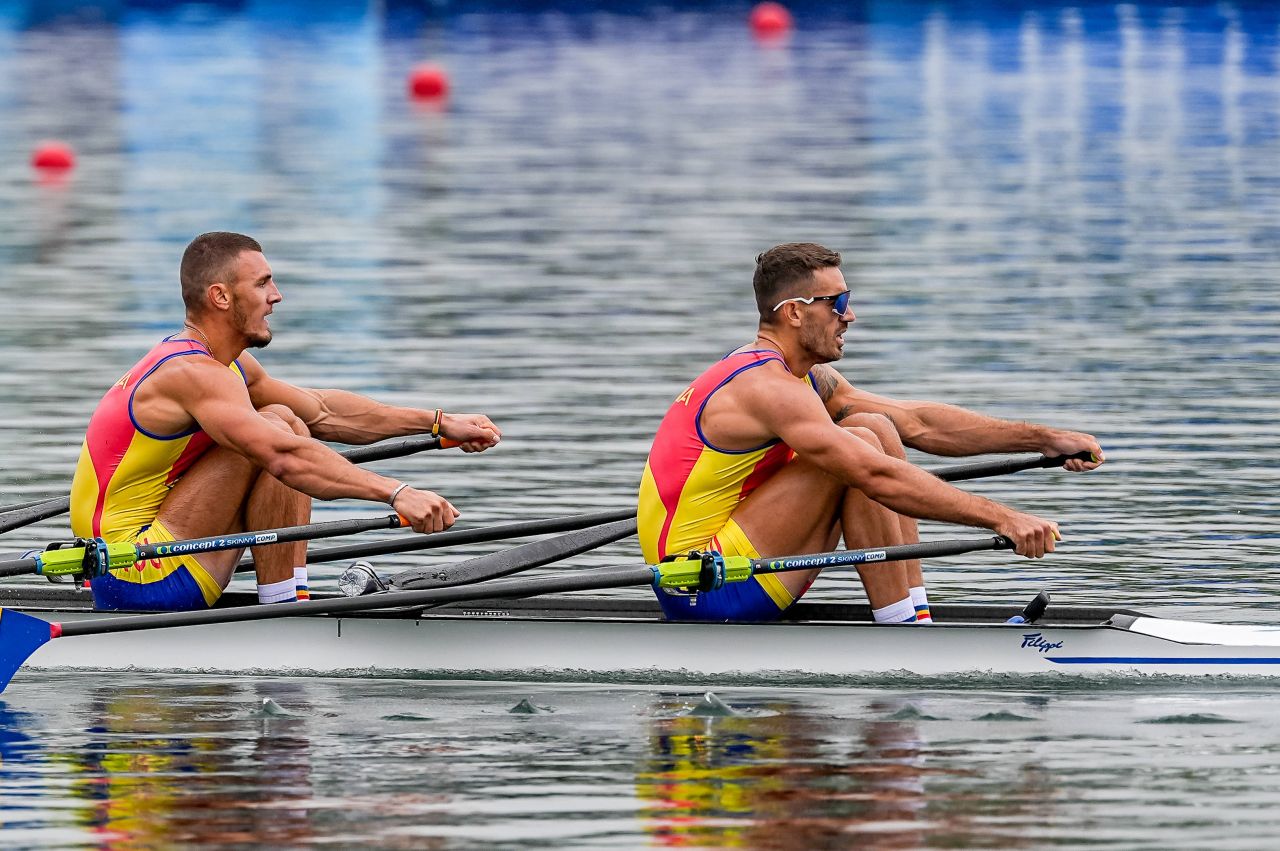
[(19, 506), (1003, 466), (266, 537), (34, 513), (902, 552), (392, 448)]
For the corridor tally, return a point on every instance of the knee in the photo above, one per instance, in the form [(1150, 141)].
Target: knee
[(281, 416), (884, 432), (865, 434)]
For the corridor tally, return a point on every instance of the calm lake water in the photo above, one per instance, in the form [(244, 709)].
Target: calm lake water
[(1063, 213)]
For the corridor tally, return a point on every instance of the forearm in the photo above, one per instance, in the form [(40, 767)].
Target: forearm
[(316, 470), (345, 417), (941, 429), (909, 490)]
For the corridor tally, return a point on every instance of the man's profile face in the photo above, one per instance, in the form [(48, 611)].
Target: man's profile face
[(822, 331), (253, 295)]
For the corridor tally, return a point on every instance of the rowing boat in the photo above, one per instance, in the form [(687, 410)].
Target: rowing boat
[(625, 639), (472, 620)]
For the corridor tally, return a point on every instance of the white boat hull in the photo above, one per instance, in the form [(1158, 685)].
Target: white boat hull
[(581, 639)]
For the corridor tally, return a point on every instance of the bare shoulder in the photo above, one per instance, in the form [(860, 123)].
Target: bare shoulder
[(180, 392), (770, 385), (194, 377), (750, 409)]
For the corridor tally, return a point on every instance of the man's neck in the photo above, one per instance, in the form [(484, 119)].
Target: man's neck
[(792, 354), (219, 348)]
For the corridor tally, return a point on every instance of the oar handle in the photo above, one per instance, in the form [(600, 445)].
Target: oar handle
[(397, 448), (982, 469)]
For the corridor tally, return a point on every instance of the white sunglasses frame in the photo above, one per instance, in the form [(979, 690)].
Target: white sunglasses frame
[(811, 299)]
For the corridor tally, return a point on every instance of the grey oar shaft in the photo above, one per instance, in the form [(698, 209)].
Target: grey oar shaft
[(586, 580), (414, 543)]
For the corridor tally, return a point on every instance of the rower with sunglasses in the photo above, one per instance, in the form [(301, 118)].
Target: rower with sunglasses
[(771, 452)]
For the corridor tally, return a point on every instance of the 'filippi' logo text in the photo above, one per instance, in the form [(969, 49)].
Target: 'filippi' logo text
[(1036, 641)]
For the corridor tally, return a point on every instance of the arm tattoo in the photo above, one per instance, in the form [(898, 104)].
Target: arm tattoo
[(824, 382)]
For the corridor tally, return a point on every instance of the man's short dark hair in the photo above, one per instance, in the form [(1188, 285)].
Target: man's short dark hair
[(207, 259), (782, 271)]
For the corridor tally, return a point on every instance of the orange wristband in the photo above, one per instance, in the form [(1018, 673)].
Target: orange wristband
[(435, 426)]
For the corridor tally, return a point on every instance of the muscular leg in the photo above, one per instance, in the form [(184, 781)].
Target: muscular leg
[(224, 492), (272, 505), (802, 509), (891, 444)]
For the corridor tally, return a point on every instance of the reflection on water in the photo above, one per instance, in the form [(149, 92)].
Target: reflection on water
[(179, 769), (420, 764), (1066, 213), (792, 781), (801, 779)]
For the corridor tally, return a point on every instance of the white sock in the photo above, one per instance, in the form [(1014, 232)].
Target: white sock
[(900, 612), (301, 591), (920, 600), (283, 591)]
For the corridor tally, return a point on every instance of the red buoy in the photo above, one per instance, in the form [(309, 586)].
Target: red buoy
[(428, 82), (770, 20), (53, 156)]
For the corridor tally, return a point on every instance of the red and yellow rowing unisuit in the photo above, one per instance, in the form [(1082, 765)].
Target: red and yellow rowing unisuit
[(122, 477), (690, 488)]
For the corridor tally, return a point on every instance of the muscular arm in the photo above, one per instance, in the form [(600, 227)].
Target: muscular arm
[(220, 402), (941, 429), (789, 409), (191, 391), (769, 401), (345, 417)]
